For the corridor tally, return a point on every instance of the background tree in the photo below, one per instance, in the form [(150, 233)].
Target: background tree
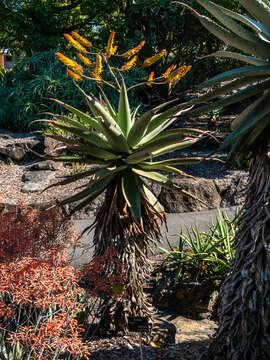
[(244, 310), (33, 26)]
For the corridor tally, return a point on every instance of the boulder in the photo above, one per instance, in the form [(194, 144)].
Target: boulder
[(46, 165), (36, 180), (17, 145), (203, 189), (232, 188)]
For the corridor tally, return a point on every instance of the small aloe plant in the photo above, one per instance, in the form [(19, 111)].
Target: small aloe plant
[(120, 149)]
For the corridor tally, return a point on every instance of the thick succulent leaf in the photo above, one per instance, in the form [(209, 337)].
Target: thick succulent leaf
[(177, 146), (97, 186), (245, 71), (257, 131), (259, 9), (219, 13), (138, 157), (87, 200), (165, 182), (78, 159), (94, 151), (165, 134), (251, 23), (151, 199), (81, 115), (159, 119), (73, 178), (139, 128), (234, 40), (100, 111), (172, 162), (61, 138), (124, 116), (223, 90), (131, 188), (157, 178), (134, 113), (115, 138), (83, 134), (93, 190), (231, 99), (109, 105), (67, 120), (162, 167), (252, 119), (240, 57), (237, 121), (159, 144)]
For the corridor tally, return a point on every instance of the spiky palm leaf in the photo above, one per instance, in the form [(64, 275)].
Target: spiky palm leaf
[(244, 309)]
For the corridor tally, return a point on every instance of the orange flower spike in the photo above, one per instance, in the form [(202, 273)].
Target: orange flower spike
[(74, 76), (70, 63), (153, 59), (81, 39), (178, 73), (85, 60), (168, 71), (109, 48), (114, 49), (127, 66), (98, 68), (150, 79), (75, 43), (96, 76), (133, 51)]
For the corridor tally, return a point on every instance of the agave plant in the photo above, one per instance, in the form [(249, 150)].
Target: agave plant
[(120, 149), (244, 331)]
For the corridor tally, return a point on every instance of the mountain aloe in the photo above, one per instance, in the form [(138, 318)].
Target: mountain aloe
[(120, 149), (244, 311)]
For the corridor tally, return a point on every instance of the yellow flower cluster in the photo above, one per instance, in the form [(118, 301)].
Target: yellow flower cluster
[(74, 76), (153, 59), (75, 70), (110, 47), (75, 43), (85, 60), (178, 73), (150, 79), (168, 71), (81, 39), (98, 68), (128, 65), (96, 76), (72, 64), (133, 51)]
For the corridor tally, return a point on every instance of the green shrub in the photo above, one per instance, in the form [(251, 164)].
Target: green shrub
[(25, 91), (211, 252)]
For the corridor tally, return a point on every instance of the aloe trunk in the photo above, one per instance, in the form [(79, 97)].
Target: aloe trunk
[(244, 309), (115, 229)]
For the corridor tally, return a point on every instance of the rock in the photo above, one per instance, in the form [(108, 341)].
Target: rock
[(46, 165), (17, 146), (163, 333), (36, 180), (203, 189), (232, 188)]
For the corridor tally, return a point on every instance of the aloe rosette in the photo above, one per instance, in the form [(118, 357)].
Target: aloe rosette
[(251, 36), (119, 144)]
